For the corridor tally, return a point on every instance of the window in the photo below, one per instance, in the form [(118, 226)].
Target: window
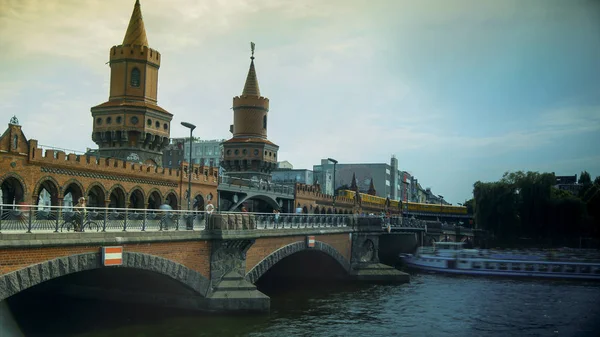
[(108, 120), (264, 122), (119, 120), (387, 172), (135, 78), (387, 183), (165, 126), (256, 152), (149, 122), (99, 121), (134, 120), (157, 124)]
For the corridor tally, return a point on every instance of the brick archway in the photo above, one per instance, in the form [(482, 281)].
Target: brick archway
[(263, 266), (22, 279)]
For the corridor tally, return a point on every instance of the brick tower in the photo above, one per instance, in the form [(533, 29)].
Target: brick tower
[(249, 154), (130, 125)]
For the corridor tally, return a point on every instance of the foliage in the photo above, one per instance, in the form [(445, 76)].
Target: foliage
[(584, 178), (470, 205), (525, 204)]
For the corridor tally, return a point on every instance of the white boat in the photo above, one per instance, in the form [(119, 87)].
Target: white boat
[(450, 257)]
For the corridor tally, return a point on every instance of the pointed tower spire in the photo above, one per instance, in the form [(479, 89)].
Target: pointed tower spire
[(353, 185), (372, 188), (136, 32), (251, 86)]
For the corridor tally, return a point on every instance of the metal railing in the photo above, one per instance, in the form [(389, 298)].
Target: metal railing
[(49, 219), (33, 218), (246, 220), (257, 185)]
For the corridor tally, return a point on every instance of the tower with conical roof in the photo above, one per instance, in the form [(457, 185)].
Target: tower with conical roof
[(249, 154), (372, 190), (130, 125)]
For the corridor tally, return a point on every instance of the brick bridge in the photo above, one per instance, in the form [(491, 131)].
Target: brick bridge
[(218, 258)]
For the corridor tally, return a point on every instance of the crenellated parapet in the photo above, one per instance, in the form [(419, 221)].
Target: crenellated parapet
[(56, 158), (138, 53), (251, 102)]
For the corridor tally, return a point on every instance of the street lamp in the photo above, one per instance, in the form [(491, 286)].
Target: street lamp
[(189, 194), (441, 199), (334, 164)]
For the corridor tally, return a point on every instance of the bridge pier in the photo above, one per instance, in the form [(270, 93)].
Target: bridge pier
[(365, 264)]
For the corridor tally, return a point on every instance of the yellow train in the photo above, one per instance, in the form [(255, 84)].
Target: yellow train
[(408, 207)]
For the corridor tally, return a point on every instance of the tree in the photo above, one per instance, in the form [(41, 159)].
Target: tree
[(584, 178), (470, 205), (597, 181)]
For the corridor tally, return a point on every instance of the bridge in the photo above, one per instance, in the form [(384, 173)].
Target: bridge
[(215, 259)]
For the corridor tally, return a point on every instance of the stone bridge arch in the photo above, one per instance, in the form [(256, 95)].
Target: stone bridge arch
[(271, 201), (22, 279), (263, 266)]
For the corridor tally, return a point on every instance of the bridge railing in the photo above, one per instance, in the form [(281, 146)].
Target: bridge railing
[(40, 219), (48, 219), (246, 220), (257, 185)]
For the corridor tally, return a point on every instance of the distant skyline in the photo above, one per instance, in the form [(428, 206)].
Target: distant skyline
[(459, 91)]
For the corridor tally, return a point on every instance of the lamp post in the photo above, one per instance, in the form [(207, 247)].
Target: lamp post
[(441, 199), (334, 165), (189, 192)]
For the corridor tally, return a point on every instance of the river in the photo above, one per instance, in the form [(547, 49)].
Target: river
[(431, 305)]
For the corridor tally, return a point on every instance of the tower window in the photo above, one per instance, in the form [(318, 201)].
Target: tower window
[(157, 124), (264, 122), (149, 122), (98, 121), (165, 126), (119, 120), (108, 120), (135, 77)]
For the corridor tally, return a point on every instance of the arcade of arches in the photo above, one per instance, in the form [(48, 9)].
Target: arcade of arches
[(48, 192)]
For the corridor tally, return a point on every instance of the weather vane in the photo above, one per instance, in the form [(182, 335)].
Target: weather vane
[(252, 45)]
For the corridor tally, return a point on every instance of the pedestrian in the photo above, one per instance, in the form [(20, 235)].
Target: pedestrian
[(81, 211)]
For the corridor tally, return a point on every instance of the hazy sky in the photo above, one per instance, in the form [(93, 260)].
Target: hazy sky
[(459, 91)]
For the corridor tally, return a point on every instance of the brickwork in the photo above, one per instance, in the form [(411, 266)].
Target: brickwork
[(33, 166), (310, 196), (341, 242), (264, 247), (192, 254)]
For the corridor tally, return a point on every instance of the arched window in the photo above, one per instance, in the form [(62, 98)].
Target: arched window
[(135, 77), (264, 122)]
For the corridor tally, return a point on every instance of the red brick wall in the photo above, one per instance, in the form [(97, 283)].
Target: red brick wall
[(264, 247), (341, 243), (192, 254)]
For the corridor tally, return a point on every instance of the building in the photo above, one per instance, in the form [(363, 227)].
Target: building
[(387, 179), (568, 183), (249, 154), (173, 154), (131, 125), (291, 177), (131, 131), (285, 165)]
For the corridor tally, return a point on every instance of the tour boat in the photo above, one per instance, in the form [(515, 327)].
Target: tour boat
[(450, 257)]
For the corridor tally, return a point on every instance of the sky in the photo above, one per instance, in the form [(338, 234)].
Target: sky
[(460, 91)]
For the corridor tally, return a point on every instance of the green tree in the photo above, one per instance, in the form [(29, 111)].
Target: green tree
[(470, 205), (584, 178), (597, 181)]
